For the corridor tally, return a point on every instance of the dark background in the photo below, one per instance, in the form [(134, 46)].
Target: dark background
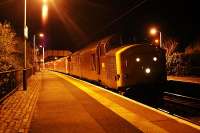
[(73, 23)]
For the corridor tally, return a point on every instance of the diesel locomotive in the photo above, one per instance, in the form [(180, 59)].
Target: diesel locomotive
[(115, 64)]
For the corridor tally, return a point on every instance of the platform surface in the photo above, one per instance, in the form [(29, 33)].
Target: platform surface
[(62, 107), (57, 103)]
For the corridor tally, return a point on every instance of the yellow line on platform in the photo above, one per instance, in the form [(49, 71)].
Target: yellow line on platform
[(139, 122), (148, 107)]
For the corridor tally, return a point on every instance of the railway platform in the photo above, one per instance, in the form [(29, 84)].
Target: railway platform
[(56, 102)]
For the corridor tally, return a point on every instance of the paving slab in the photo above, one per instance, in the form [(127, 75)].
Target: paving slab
[(62, 107), (16, 111)]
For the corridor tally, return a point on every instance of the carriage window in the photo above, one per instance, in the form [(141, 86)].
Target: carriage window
[(102, 50), (69, 59), (93, 62), (126, 63)]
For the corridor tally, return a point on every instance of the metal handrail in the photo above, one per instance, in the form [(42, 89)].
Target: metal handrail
[(10, 71), (13, 70), (10, 80)]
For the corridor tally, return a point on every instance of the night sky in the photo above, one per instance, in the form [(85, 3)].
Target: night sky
[(73, 23)]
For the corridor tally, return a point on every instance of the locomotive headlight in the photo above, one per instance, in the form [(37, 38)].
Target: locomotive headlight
[(138, 59), (147, 70), (155, 59)]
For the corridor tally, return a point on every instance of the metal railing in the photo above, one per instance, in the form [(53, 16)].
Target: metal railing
[(11, 80)]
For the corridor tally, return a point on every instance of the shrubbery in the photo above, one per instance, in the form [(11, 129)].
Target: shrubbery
[(8, 48), (12, 49), (11, 58), (187, 63)]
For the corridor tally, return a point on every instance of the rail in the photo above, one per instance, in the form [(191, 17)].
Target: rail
[(184, 107), (184, 100), (11, 80)]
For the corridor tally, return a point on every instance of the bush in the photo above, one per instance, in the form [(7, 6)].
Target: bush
[(182, 64), (10, 56)]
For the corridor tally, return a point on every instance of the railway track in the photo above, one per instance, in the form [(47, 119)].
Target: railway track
[(182, 100), (184, 107)]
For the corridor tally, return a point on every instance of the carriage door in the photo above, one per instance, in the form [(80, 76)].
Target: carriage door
[(98, 54)]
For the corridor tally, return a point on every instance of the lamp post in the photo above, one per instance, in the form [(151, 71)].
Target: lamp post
[(153, 31), (160, 39), (34, 57), (45, 11), (25, 37), (34, 49), (41, 35), (42, 56), (25, 34)]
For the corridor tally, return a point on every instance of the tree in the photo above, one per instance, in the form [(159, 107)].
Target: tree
[(170, 46), (7, 42), (8, 48)]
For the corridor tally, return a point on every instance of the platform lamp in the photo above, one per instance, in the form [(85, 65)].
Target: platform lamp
[(154, 31), (25, 38), (41, 35)]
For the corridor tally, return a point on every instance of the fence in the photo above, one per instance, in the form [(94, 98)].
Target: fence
[(180, 70), (11, 80)]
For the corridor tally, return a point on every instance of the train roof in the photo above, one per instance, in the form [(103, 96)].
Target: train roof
[(108, 45), (113, 51), (125, 47), (100, 42), (103, 42)]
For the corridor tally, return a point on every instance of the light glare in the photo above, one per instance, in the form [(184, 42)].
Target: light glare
[(41, 35), (44, 12), (138, 59), (44, 1), (156, 41), (147, 70), (155, 59), (153, 31)]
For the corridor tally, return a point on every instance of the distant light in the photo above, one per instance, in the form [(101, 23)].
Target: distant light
[(40, 46), (147, 70), (155, 59), (138, 59), (156, 41), (56, 58), (153, 31), (41, 35), (103, 65)]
